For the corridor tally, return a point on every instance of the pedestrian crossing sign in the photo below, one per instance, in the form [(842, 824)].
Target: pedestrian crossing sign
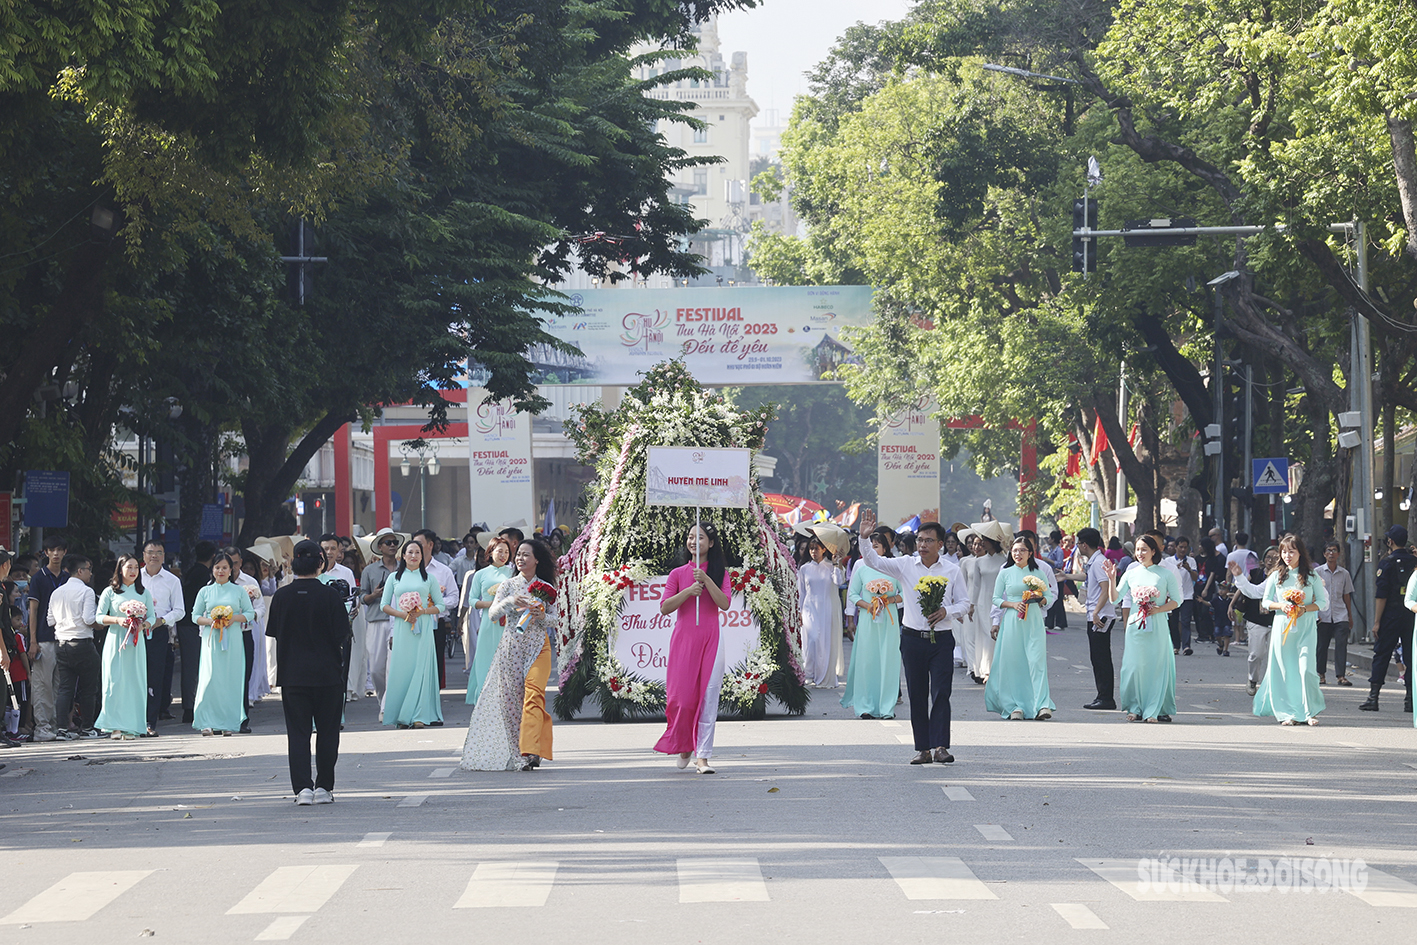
[(1271, 476)]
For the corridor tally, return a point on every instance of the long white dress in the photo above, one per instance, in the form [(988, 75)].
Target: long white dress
[(260, 683), (821, 621), (493, 740), (981, 593), (969, 567)]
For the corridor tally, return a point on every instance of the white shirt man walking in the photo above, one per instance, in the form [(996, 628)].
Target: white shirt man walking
[(927, 641), (168, 608), (77, 672)]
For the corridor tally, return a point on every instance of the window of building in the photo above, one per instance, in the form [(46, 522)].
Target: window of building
[(700, 136), (701, 181)]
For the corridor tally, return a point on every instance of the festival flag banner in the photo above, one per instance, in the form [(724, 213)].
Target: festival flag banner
[(738, 335), (692, 477), (499, 462), (908, 465)]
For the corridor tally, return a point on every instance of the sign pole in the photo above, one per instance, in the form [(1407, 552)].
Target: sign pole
[(694, 565)]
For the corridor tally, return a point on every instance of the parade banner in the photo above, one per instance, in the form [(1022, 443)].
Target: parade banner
[(908, 466), (499, 462), (692, 477), (758, 335), (641, 641)]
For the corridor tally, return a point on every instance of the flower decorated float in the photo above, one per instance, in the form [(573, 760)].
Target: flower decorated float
[(614, 643)]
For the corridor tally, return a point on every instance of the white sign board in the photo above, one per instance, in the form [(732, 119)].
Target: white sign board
[(693, 476), (738, 335), (908, 466), (641, 643), (499, 462)]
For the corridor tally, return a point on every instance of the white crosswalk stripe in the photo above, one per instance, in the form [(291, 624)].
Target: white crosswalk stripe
[(373, 839), (75, 897), (282, 928), (413, 800), (294, 889), (1123, 874), (958, 793), (993, 832), (721, 880), (935, 877), (1078, 915), (1387, 891), (503, 885), (442, 772)]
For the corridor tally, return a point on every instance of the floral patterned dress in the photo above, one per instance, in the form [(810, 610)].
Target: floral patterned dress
[(494, 735)]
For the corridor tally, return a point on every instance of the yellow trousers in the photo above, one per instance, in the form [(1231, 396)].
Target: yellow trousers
[(536, 721)]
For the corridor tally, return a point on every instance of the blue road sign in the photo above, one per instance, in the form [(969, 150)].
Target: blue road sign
[(48, 495), (1271, 476)]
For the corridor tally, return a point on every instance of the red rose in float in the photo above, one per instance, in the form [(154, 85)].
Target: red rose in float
[(762, 689)]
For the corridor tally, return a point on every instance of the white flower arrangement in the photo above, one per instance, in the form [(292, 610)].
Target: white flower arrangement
[(624, 542)]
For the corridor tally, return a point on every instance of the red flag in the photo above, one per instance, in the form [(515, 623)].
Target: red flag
[(1099, 443)]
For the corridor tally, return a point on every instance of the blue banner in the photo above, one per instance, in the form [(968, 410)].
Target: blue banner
[(47, 499)]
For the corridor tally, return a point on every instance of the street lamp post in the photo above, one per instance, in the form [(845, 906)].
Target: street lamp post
[(426, 458)]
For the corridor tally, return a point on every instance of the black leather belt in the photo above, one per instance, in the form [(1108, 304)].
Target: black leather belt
[(925, 634)]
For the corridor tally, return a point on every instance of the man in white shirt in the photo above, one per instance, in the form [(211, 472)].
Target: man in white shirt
[(1242, 555), (1101, 614), (386, 543), (1219, 538), (927, 641), (331, 548), (72, 612), (1337, 622), (443, 574), (1186, 568), (168, 608)]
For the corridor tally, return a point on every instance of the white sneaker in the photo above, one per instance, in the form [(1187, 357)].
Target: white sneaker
[(305, 798), (323, 797)]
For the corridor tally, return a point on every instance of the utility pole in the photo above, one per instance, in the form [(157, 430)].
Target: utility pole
[(1249, 469), (1360, 398), (1122, 423)]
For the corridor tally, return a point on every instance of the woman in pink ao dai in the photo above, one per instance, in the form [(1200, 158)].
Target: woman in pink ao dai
[(697, 592)]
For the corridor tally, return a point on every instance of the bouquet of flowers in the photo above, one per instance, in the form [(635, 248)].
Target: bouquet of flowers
[(879, 589), (544, 593), (409, 602), (931, 589), (747, 580), (221, 619), (1293, 606), (1144, 597), (133, 613), (1034, 589)]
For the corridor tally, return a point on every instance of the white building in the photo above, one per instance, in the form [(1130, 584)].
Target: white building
[(718, 193)]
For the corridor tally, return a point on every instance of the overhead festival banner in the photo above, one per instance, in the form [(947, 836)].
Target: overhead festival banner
[(499, 462), (693, 476), (908, 466), (641, 641), (758, 335)]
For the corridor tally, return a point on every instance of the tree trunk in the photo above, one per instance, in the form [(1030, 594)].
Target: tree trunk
[(271, 473), (1404, 161), (1387, 508), (1136, 468), (195, 481)]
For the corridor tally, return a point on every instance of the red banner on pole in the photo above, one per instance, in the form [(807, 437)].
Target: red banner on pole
[(7, 520)]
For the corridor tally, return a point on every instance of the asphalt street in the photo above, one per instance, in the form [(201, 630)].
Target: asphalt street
[(815, 829)]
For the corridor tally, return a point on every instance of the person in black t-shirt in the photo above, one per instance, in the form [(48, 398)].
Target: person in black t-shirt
[(310, 627), (1392, 621)]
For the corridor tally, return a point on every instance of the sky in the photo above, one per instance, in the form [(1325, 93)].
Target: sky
[(786, 38)]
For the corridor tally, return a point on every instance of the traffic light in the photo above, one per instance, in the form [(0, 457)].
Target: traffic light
[(1237, 423), (1084, 247)]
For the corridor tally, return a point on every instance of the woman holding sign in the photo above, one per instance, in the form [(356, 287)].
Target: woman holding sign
[(696, 592)]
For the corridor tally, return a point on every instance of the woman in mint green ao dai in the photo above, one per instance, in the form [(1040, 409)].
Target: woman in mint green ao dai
[(411, 693), (1017, 687), (1148, 676), (482, 593), (125, 660)]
